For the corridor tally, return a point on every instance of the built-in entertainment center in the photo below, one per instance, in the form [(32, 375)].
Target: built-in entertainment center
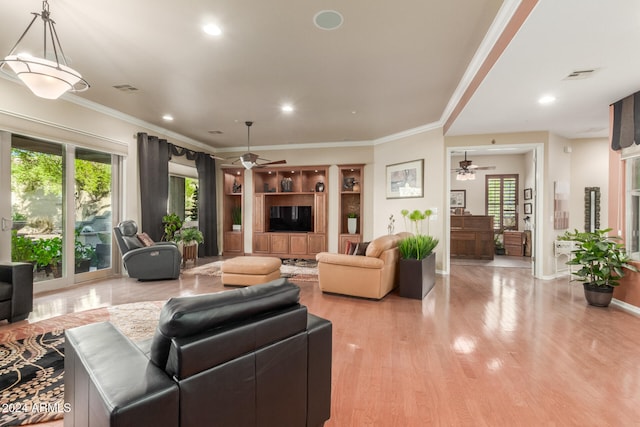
[(290, 211), (289, 214)]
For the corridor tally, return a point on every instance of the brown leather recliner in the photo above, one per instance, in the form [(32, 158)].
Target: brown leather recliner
[(371, 276), (245, 357)]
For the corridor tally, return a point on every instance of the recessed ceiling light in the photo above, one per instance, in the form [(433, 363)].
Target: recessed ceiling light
[(287, 108), (167, 118), (547, 99), (212, 29), (328, 19)]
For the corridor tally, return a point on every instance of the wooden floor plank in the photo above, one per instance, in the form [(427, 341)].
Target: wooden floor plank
[(486, 347)]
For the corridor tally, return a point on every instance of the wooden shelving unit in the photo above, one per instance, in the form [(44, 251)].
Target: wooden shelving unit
[(350, 188), (233, 186), (290, 186)]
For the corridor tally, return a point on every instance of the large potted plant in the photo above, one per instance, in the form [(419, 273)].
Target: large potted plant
[(417, 265), (602, 261), (84, 255)]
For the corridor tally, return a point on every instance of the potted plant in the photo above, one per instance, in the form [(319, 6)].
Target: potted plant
[(189, 239), (47, 253), (84, 255), (417, 265), (21, 248), (498, 244), (352, 222), (602, 261), (236, 218), (172, 223)]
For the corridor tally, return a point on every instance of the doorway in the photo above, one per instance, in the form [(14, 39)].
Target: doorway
[(530, 179)]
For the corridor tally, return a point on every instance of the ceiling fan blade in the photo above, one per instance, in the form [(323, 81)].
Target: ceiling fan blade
[(484, 168), (275, 162), (213, 156)]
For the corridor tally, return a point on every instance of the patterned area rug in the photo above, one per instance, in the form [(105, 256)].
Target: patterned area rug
[(32, 359), (301, 271)]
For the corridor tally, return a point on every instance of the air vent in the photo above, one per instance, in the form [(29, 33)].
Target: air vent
[(215, 132), (580, 75), (125, 88)]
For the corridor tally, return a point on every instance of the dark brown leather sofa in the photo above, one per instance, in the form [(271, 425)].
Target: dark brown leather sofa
[(16, 290), (245, 357)]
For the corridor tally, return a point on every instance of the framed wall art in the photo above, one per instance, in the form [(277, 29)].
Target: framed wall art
[(528, 208), (528, 194), (458, 199), (405, 180)]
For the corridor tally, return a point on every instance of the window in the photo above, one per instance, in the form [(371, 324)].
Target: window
[(633, 208), (502, 201)]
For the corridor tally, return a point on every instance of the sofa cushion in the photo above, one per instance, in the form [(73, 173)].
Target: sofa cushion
[(381, 244), (132, 242), (187, 316)]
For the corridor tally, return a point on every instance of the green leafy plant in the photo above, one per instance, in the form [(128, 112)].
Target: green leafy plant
[(418, 246), (497, 240), (18, 217), (352, 215), (21, 248), (83, 251), (47, 252), (189, 235), (172, 223), (236, 215), (602, 260)]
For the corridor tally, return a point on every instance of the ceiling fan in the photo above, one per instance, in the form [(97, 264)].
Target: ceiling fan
[(467, 170), (250, 160)]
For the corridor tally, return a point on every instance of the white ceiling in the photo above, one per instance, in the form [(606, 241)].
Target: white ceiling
[(391, 67)]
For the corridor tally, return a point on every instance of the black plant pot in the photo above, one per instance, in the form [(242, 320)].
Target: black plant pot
[(417, 277), (83, 265), (598, 296)]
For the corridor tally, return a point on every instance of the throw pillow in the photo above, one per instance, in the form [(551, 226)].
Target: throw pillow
[(351, 247), (145, 239), (361, 248)]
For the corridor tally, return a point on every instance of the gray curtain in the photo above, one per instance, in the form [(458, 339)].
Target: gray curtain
[(207, 212), (153, 163)]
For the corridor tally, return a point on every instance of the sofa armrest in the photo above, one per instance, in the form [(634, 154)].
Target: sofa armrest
[(109, 381), (350, 260), (319, 355)]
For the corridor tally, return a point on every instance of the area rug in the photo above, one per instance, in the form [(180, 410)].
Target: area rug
[(32, 359), (306, 271)]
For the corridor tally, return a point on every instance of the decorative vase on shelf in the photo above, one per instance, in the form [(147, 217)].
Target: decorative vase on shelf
[(319, 186), (286, 184), (352, 225), (356, 187)]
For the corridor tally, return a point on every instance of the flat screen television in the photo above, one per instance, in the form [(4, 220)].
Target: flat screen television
[(290, 218)]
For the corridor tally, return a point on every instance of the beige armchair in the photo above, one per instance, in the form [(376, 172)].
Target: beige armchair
[(371, 276)]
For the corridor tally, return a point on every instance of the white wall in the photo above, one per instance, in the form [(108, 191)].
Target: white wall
[(588, 170), (429, 146)]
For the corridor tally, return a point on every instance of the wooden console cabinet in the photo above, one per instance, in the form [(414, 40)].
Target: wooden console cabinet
[(472, 236), (290, 186), (517, 243)]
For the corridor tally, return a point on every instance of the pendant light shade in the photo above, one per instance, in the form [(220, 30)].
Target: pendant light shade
[(46, 78)]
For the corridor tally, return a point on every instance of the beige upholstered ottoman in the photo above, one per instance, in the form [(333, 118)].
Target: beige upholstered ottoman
[(250, 270)]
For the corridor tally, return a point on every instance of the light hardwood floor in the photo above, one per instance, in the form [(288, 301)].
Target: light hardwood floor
[(486, 347)]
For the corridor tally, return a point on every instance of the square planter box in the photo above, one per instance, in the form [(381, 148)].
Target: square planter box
[(417, 277)]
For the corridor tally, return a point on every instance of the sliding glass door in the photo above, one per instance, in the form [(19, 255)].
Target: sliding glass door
[(37, 214), (61, 200)]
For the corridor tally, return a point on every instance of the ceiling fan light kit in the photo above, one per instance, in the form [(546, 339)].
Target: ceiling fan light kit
[(249, 160), (467, 170), (46, 78)]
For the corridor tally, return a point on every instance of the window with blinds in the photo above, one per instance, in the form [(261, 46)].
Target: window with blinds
[(502, 201)]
